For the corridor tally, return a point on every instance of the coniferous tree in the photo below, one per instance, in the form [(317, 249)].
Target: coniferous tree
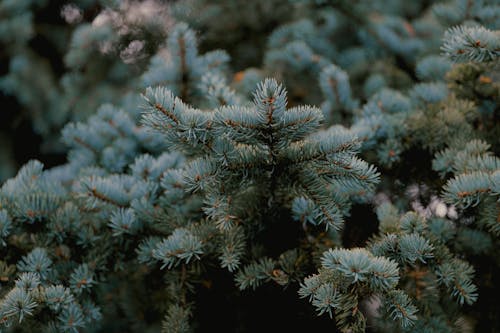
[(351, 161)]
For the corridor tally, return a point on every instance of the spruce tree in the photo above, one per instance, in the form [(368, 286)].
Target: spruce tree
[(336, 167)]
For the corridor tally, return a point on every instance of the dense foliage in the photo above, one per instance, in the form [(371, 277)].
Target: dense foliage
[(249, 166)]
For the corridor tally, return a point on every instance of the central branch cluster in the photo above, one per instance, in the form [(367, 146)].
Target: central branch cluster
[(262, 152)]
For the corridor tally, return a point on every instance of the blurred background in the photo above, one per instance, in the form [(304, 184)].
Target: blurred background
[(60, 60)]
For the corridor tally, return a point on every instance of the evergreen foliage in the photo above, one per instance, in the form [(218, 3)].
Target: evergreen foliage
[(335, 167)]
